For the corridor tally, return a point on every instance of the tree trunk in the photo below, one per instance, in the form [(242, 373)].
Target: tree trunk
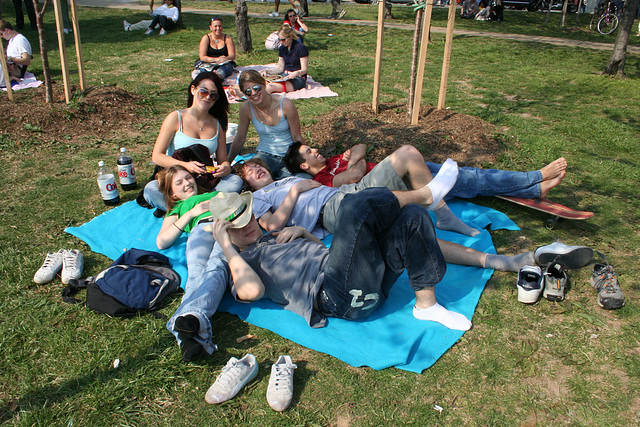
[(243, 32), (415, 51), (46, 71), (615, 67)]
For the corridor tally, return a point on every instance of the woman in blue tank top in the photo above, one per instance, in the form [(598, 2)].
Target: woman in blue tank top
[(204, 122), (275, 118)]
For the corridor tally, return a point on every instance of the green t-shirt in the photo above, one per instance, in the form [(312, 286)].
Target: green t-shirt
[(184, 206)]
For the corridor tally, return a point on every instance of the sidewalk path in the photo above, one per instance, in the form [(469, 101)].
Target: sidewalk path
[(131, 4)]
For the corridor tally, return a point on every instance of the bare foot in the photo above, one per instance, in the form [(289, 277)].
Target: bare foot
[(547, 185), (553, 169)]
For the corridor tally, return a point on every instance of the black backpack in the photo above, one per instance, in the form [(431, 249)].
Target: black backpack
[(137, 282)]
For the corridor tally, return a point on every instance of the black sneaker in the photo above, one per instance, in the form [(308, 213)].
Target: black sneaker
[(555, 280), (605, 281)]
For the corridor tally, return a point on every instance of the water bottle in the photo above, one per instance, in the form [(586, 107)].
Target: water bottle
[(126, 171), (108, 186)]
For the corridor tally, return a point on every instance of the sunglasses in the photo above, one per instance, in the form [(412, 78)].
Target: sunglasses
[(204, 94), (255, 88)]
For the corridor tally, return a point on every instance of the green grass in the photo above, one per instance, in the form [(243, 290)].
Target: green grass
[(567, 363)]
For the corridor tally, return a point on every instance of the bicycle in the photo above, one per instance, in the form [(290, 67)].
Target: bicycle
[(606, 19)]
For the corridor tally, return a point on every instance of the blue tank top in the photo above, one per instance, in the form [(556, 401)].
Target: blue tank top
[(276, 139), (180, 140)]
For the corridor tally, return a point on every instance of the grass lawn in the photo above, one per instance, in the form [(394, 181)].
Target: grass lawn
[(568, 363)]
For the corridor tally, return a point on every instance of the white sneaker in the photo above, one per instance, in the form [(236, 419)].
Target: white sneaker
[(127, 25), (162, 32), (274, 14), (342, 13), (72, 265), (50, 267), (149, 31), (280, 390), (233, 377), (573, 257), (529, 284)]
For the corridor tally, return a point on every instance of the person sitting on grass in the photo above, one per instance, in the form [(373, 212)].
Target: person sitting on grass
[(350, 166), (304, 202), (217, 51), (293, 62), (203, 122), (469, 9), (274, 117), (18, 49), (377, 237), (166, 16), (188, 212)]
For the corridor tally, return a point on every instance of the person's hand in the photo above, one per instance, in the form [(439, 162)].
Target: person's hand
[(195, 167), (200, 208), (289, 234), (219, 231), (222, 171), (305, 185), (346, 155)]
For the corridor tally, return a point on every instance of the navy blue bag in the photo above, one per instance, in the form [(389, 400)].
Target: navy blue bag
[(135, 283)]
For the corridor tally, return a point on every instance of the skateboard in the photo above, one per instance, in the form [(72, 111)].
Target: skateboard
[(545, 205)]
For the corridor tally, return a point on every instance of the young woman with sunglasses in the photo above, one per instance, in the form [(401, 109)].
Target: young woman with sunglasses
[(275, 118), (204, 122), (293, 62), (217, 50)]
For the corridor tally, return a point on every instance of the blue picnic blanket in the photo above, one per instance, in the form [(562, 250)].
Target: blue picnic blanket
[(390, 337)]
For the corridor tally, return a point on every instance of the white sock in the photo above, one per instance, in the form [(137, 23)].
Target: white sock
[(443, 182), (438, 313), (509, 262)]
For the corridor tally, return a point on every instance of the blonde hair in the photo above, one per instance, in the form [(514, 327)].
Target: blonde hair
[(286, 31)]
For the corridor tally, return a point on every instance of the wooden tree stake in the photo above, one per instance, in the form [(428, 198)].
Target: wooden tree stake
[(446, 60), (76, 35), (378, 63), (64, 64), (426, 29), (5, 72)]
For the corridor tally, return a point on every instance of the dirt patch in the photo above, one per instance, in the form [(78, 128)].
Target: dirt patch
[(102, 112), (99, 113), (439, 134)]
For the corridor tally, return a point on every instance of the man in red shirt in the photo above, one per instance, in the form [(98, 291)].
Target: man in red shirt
[(408, 162)]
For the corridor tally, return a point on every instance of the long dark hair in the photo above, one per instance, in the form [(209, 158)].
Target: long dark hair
[(220, 108)]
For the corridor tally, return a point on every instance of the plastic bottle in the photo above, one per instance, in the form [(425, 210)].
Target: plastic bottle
[(108, 186), (126, 171)]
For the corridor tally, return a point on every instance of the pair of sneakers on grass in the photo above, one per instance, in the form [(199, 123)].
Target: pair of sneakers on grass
[(556, 259), (237, 373), (71, 262)]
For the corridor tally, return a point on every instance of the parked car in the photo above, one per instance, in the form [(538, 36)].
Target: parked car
[(533, 5)]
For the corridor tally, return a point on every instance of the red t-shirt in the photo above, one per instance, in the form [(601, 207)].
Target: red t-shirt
[(335, 165)]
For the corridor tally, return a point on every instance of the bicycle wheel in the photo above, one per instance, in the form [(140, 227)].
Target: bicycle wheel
[(608, 23)]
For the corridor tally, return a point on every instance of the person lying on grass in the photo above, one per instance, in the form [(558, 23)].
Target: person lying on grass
[(307, 203), (350, 166), (378, 236), (188, 212)]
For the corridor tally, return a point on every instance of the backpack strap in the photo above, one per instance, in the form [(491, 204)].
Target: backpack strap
[(73, 288)]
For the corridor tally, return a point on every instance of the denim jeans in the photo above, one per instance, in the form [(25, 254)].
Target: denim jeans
[(375, 241), (229, 184), (224, 71), (166, 23), (474, 182), (205, 286)]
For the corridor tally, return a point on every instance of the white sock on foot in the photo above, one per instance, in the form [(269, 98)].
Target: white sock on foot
[(438, 313), (443, 182), (509, 263)]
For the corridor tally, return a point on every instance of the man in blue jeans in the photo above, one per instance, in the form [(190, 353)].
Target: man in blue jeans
[(379, 237)]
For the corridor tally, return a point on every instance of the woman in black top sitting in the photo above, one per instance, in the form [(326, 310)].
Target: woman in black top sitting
[(217, 51)]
